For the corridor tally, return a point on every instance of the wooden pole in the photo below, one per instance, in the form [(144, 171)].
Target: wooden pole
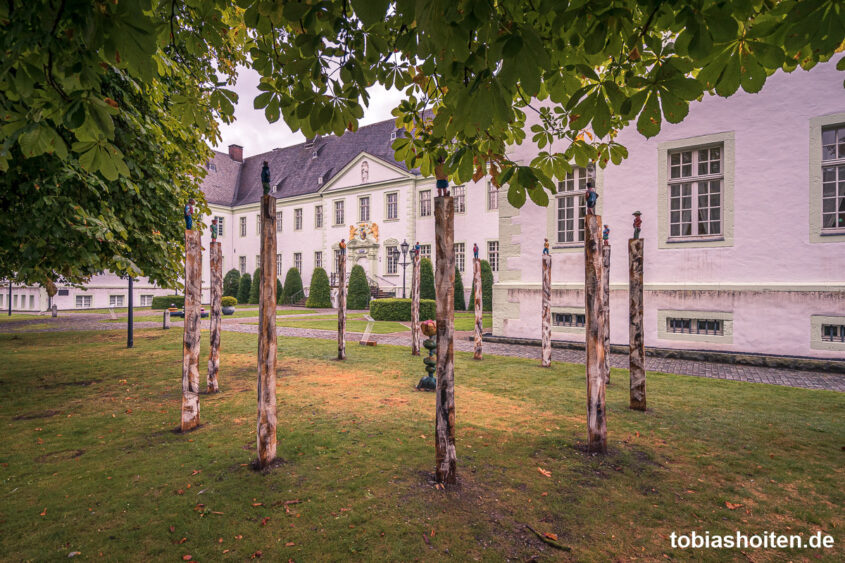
[(444, 280), (266, 431), (595, 313), (191, 332), (636, 341), (216, 266), (479, 314), (546, 312), (605, 304), (341, 306), (415, 307)]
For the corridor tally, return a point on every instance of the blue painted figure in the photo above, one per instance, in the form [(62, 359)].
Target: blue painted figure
[(214, 230), (638, 223), (265, 177), (475, 251), (591, 197), (417, 249), (545, 246), (442, 188), (605, 235), (189, 214), (342, 246)]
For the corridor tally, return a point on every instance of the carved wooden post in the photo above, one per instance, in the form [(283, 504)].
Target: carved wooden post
[(636, 342), (216, 265), (415, 307), (605, 304), (191, 332), (546, 312), (341, 306), (595, 313), (266, 432), (165, 321), (479, 315), (444, 282)]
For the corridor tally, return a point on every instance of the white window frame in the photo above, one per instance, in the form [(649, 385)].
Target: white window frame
[(279, 221), (258, 224), (85, 300), (242, 220), (146, 300), (318, 258), (279, 265), (364, 209), (460, 256), (318, 216), (116, 301), (242, 264), (666, 332), (297, 261), (459, 195), (425, 203), (833, 179), (339, 213), (493, 254), (391, 209), (425, 251), (696, 190), (571, 192), (219, 225), (818, 340), (297, 219), (492, 197), (392, 262)]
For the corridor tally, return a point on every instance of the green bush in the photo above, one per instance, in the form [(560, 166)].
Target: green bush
[(400, 309), (243, 288), (427, 279), (320, 294), (486, 288), (228, 301), (231, 282), (293, 285), (164, 301), (279, 292), (460, 303), (359, 289), (255, 288)]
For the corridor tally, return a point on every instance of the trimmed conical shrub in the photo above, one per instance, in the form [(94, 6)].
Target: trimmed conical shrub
[(243, 288), (293, 285), (279, 293), (460, 303), (426, 279), (255, 288), (358, 296), (231, 283), (320, 294)]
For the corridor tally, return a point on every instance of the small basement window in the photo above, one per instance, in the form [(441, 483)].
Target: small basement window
[(573, 320), (64, 292), (833, 333), (713, 327)]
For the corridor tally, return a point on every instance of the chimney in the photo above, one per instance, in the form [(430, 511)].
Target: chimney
[(236, 153)]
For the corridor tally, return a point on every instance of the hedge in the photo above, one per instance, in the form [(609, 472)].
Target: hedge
[(255, 288), (427, 279), (164, 301), (231, 283), (228, 301), (460, 300), (358, 295), (243, 288), (320, 295), (279, 291), (293, 286), (400, 309)]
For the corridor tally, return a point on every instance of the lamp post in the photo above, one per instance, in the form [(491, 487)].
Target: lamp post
[(404, 264), (130, 337)]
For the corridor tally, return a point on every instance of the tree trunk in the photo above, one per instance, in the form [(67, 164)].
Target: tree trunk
[(479, 314), (216, 253), (341, 307), (546, 313), (605, 305), (266, 431), (596, 323), (415, 307), (191, 333), (636, 341), (444, 281)]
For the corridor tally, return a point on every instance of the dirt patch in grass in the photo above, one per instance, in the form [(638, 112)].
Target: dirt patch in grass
[(81, 383), (59, 456), (34, 415)]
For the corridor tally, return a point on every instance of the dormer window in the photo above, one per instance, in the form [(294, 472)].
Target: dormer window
[(211, 166), (274, 188), (313, 155), (320, 181), (393, 135)]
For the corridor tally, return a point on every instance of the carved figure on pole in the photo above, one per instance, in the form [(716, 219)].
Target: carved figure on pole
[(475, 250), (546, 312), (417, 249), (605, 235), (214, 230), (342, 246), (638, 224), (591, 198), (428, 382), (545, 246), (189, 214), (265, 177), (415, 303)]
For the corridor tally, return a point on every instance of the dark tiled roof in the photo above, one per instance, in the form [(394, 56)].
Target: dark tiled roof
[(293, 170)]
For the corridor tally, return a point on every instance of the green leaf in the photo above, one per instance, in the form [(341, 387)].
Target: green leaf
[(516, 195), (539, 196), (730, 79), (371, 11), (674, 108), (601, 117), (649, 121), (753, 75)]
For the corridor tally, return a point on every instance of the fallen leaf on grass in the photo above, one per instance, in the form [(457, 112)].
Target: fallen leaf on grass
[(183, 540), (426, 540), (172, 528), (239, 537), (74, 553), (290, 544), (258, 504), (44, 512), (265, 520), (551, 536), (544, 472), (256, 555), (731, 505), (180, 492), (186, 558)]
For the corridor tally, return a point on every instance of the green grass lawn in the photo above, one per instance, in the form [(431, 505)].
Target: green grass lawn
[(90, 462), (5, 317), (466, 321)]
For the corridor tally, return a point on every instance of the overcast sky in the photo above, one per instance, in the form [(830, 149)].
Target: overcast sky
[(251, 130)]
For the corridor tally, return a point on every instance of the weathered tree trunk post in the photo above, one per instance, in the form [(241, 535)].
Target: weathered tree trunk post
[(596, 323), (191, 332), (479, 314), (341, 306), (444, 283), (415, 307), (216, 267), (546, 312), (165, 321), (605, 304), (266, 432), (636, 342)]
